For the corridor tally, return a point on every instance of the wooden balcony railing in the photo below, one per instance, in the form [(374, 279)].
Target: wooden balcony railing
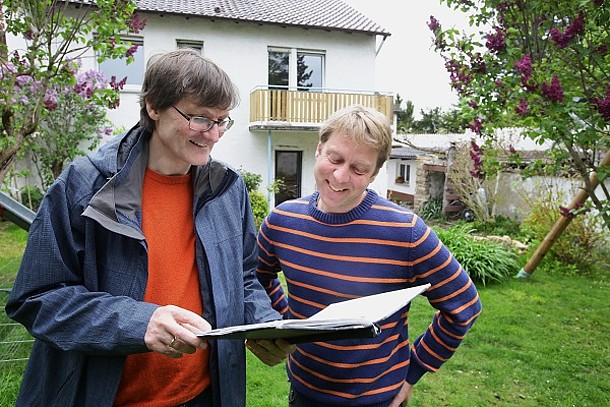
[(272, 108)]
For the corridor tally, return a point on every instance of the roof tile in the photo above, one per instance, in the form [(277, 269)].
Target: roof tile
[(324, 14)]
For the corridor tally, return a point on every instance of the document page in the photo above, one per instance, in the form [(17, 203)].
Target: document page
[(355, 318)]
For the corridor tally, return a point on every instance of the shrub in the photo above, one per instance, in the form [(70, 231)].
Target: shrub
[(258, 202), (260, 207), (31, 197), (484, 260), (500, 225), (251, 179), (583, 243), (432, 209)]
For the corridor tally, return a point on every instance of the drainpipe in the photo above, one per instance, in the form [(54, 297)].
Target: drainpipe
[(268, 165)]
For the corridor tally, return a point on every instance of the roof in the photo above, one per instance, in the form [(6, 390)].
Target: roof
[(323, 14), (406, 153)]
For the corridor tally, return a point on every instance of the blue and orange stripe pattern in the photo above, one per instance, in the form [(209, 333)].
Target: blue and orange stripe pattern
[(376, 247)]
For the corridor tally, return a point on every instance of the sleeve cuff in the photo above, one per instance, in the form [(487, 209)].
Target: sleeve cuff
[(416, 371)]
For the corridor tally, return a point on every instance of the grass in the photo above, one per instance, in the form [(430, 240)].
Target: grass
[(12, 335), (542, 341)]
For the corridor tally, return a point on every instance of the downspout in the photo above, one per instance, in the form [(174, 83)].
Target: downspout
[(269, 165)]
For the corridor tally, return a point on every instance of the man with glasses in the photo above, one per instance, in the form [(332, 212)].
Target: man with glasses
[(137, 248)]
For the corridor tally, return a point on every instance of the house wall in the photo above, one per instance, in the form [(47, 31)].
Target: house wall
[(241, 50), (393, 169), (403, 193), (516, 195)]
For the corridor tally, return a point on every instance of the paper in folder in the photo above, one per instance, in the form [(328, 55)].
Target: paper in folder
[(350, 319)]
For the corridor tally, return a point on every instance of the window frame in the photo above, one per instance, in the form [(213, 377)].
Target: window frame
[(192, 44), (129, 86), (404, 171), (294, 54)]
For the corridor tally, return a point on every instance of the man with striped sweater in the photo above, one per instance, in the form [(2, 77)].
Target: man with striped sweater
[(345, 241)]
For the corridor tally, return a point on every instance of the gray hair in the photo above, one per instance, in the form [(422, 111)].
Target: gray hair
[(184, 74)]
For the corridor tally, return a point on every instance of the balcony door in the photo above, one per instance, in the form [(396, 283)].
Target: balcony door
[(279, 80), (288, 165)]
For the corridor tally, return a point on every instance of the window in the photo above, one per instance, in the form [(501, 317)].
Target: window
[(403, 174), (279, 68), (292, 68), (196, 45), (309, 70), (120, 69)]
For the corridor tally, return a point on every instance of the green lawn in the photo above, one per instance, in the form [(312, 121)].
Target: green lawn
[(544, 341)]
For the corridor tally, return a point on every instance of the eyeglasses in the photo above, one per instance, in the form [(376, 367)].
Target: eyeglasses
[(200, 123)]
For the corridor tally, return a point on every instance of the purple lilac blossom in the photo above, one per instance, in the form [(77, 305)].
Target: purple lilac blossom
[(523, 108), (553, 91), (496, 42), (603, 105), (562, 40)]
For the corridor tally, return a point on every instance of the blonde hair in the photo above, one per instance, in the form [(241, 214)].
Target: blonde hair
[(363, 125)]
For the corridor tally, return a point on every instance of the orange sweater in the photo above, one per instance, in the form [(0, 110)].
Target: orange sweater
[(152, 379)]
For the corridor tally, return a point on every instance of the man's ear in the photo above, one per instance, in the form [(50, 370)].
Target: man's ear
[(152, 113), (372, 177), (318, 149)]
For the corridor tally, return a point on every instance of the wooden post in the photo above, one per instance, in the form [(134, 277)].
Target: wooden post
[(560, 225)]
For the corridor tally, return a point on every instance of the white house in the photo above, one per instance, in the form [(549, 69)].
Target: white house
[(263, 45)]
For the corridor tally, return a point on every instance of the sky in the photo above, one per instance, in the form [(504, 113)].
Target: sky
[(407, 64)]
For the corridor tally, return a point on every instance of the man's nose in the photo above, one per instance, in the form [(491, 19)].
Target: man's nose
[(342, 173)]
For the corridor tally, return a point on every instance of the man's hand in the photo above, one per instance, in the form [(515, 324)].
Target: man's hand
[(270, 352), (403, 396), (172, 331)]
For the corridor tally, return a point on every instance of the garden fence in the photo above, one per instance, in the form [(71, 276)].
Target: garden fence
[(15, 341)]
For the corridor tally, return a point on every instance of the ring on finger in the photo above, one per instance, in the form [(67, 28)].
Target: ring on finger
[(171, 344)]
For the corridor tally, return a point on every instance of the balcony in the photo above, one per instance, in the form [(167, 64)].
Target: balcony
[(305, 110)]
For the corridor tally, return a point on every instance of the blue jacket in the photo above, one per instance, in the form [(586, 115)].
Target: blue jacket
[(81, 284)]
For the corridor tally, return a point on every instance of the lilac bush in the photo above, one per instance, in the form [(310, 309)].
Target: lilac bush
[(33, 78), (542, 67)]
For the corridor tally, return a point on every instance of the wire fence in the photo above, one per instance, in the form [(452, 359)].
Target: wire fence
[(15, 341)]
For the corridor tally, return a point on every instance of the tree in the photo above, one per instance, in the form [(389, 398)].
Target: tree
[(543, 67), (404, 116), (72, 126), (56, 34), (453, 122), (430, 121), (435, 120)]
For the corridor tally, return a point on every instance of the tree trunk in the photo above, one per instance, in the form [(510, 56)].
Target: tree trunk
[(7, 156), (561, 224)]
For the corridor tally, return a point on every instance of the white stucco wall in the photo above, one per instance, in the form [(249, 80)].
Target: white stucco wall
[(241, 50), (506, 138), (393, 168)]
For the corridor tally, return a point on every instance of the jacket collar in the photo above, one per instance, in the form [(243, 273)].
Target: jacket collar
[(122, 161)]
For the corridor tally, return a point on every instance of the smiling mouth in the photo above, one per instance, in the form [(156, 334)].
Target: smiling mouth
[(197, 144), (335, 189)]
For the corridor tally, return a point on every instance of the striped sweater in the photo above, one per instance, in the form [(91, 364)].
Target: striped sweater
[(376, 247)]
